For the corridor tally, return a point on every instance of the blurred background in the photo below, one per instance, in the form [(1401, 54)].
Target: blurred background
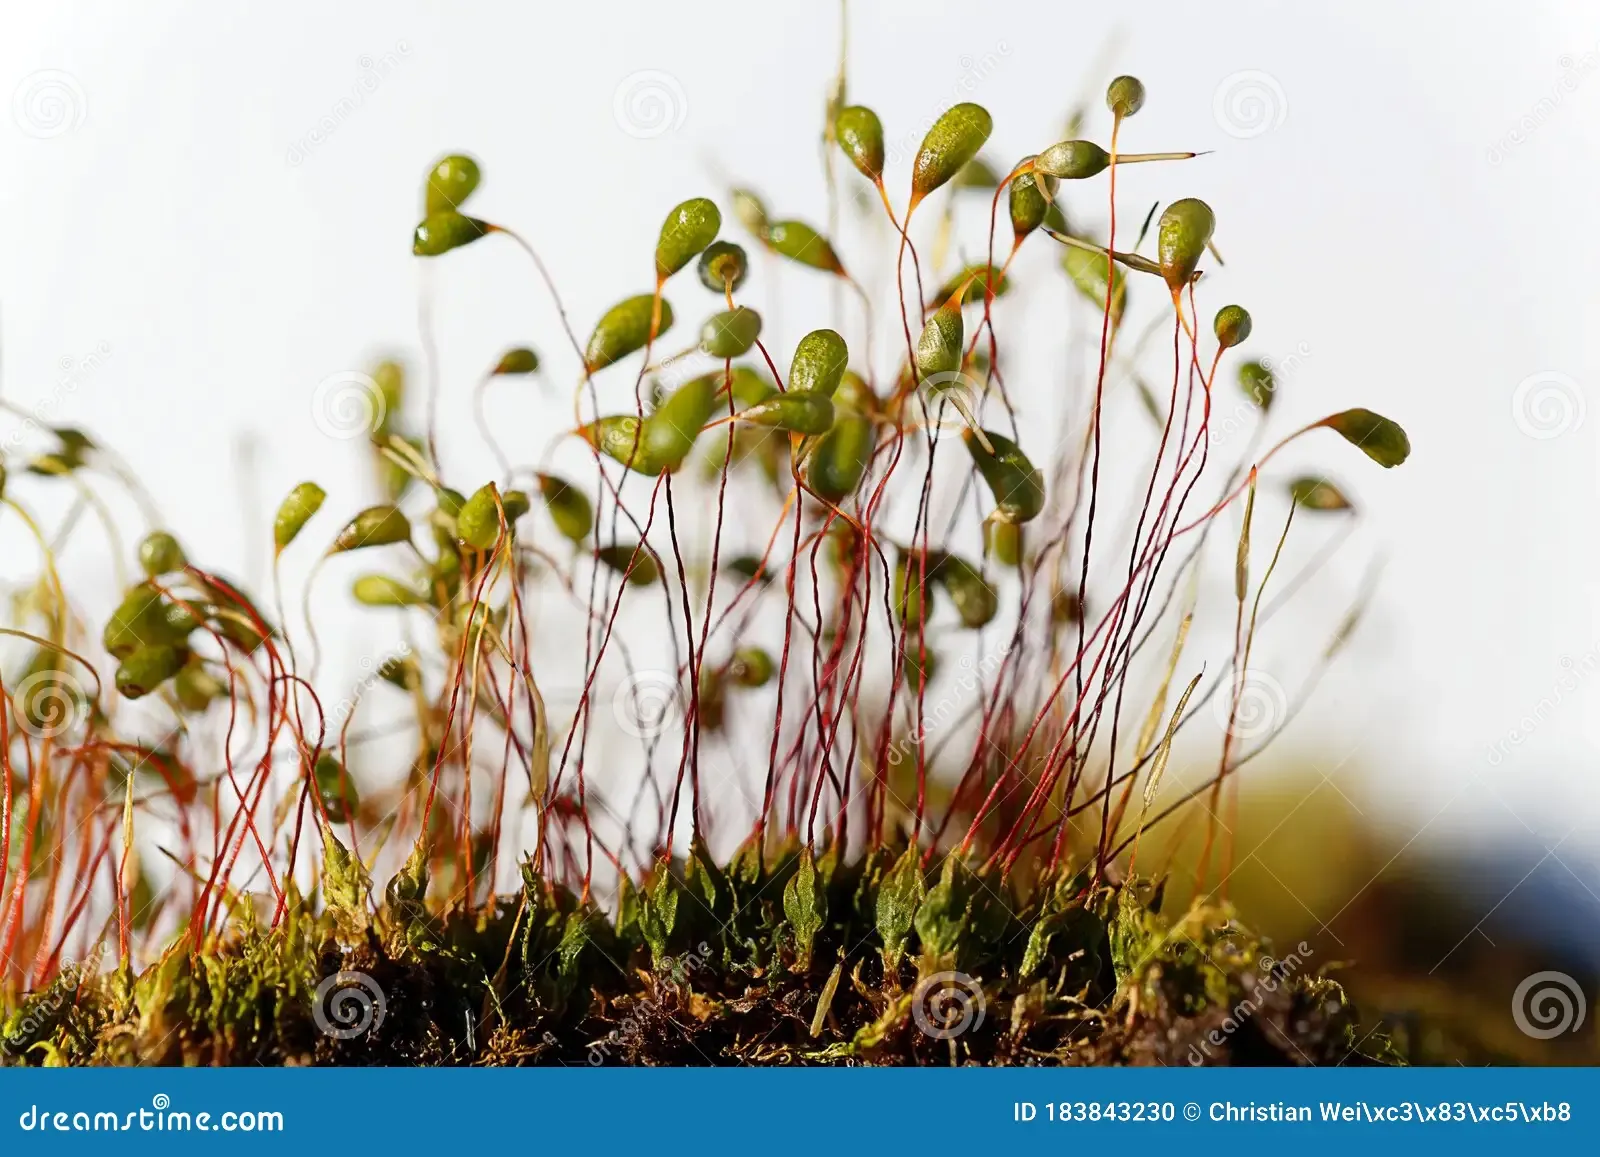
[(208, 212)]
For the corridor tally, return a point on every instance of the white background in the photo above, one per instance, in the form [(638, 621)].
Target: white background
[(217, 218)]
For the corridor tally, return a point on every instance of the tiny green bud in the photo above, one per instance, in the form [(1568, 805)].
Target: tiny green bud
[(1017, 485), (954, 139), (625, 329), (1125, 96), (294, 512), (723, 266), (443, 232), (518, 360), (450, 183), (751, 667), (374, 526), (800, 242), (160, 554), (688, 229), (570, 509), (1232, 325), (860, 135), (731, 333), (819, 362), (1181, 238)]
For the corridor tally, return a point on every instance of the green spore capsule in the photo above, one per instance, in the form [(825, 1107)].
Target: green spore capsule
[(374, 526), (335, 789), (160, 554), (637, 564), (670, 432), (1258, 384), (443, 232), (1017, 485), (939, 347), (749, 566), (750, 210), (913, 599), (976, 174), (197, 688), (748, 385), (381, 590), (390, 379), (294, 512), (954, 139), (518, 360), (1181, 238), (625, 329), (1002, 541), (723, 267), (973, 283), (920, 668), (146, 668), (1073, 160), (751, 667), (621, 437), (840, 458), (688, 229), (478, 524), (860, 135), (1232, 325), (800, 242), (570, 509), (1317, 494), (854, 392), (1377, 437), (796, 411), (1125, 96), (1088, 272), (819, 362), (450, 183), (1030, 199), (143, 618), (974, 598), (731, 333), (516, 504)]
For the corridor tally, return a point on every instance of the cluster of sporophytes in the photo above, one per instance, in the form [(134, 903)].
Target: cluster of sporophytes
[(926, 701)]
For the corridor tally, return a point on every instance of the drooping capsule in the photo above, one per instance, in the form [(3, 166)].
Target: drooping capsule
[(670, 432), (1317, 494), (796, 411), (1380, 438), (450, 182), (1017, 485), (294, 512), (800, 242), (1125, 96), (839, 460), (570, 508), (939, 347), (1002, 541), (1231, 325), (973, 283), (636, 563), (442, 232), (1181, 238), (517, 360), (731, 333), (374, 526), (954, 139), (621, 437), (860, 135), (688, 229), (819, 362), (974, 597), (147, 667), (1031, 196), (160, 554), (1258, 383), (723, 266), (381, 590), (624, 329)]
